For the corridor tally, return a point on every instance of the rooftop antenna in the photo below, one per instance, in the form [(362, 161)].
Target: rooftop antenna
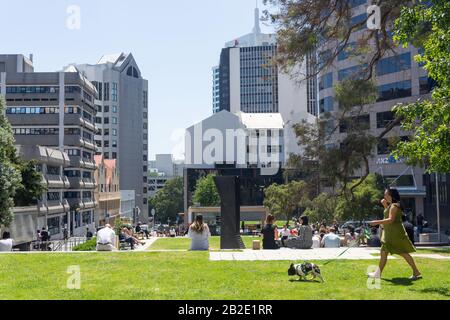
[(257, 28)]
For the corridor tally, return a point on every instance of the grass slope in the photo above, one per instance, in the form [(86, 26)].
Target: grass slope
[(190, 275)]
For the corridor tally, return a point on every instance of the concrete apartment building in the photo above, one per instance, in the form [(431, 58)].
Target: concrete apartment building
[(400, 80), (122, 117), (55, 110), (163, 169), (247, 81)]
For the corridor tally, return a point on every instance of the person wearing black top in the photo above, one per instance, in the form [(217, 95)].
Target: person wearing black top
[(420, 223), (45, 237), (409, 228), (270, 234)]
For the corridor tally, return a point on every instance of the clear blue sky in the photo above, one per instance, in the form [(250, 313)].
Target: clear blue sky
[(174, 42)]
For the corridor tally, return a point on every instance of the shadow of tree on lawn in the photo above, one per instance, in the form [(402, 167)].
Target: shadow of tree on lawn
[(442, 291)]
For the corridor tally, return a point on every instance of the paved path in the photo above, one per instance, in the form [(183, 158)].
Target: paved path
[(297, 255)]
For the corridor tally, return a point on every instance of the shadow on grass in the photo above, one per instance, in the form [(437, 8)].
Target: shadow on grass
[(304, 280), (443, 291), (400, 281)]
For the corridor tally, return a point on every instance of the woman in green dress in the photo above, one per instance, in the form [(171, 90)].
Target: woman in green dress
[(394, 238)]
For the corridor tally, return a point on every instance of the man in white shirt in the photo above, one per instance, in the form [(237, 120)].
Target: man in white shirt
[(6, 244), (106, 238), (331, 240)]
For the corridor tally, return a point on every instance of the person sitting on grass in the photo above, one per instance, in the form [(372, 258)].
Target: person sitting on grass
[(374, 241), (351, 237), (106, 239), (270, 234), (316, 240), (6, 244), (199, 234), (331, 240), (304, 239), (285, 233)]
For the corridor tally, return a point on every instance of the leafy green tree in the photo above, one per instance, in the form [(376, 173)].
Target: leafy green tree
[(427, 27), (323, 207), (206, 193), (31, 188), (10, 178), (284, 200), (169, 201), (365, 203)]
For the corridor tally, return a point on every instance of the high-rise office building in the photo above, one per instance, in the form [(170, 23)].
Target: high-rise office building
[(400, 80), (55, 110), (122, 117), (250, 82), (215, 89)]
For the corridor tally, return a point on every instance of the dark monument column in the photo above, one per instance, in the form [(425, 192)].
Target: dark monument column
[(230, 194)]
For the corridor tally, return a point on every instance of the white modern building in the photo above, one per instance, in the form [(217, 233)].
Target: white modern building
[(127, 203), (250, 83), (122, 117), (241, 140)]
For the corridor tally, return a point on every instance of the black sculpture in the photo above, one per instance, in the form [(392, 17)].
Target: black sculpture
[(230, 195)]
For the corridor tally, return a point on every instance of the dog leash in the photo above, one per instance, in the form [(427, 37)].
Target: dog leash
[(366, 234)]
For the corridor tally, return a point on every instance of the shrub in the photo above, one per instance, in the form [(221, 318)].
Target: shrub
[(90, 245)]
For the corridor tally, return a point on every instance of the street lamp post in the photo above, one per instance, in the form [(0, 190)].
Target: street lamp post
[(438, 211)]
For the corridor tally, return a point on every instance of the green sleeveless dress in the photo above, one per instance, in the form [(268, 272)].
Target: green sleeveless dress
[(394, 238)]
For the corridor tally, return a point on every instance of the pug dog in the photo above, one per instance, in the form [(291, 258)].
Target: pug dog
[(304, 270)]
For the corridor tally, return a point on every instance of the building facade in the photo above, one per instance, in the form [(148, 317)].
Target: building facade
[(107, 192), (250, 82), (55, 110), (399, 80), (164, 168), (122, 117)]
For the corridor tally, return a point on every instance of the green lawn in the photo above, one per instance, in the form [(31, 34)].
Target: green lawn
[(190, 275), (185, 243)]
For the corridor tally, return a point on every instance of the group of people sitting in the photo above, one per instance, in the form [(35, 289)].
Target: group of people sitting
[(106, 238), (303, 236)]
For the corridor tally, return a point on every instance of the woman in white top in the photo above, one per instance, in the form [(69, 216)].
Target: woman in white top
[(6, 244), (285, 233), (316, 240), (199, 233)]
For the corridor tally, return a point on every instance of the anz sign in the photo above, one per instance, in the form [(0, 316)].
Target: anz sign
[(389, 160)]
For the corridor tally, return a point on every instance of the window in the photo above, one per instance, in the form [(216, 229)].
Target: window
[(99, 108), (106, 144), (106, 93), (132, 72), (72, 174), (54, 226), (53, 196), (73, 152), (384, 119), (358, 20), (98, 143), (87, 218), (106, 132), (348, 51), (114, 155), (145, 126), (387, 145), (326, 81), (361, 122), (114, 143), (145, 158), (106, 120), (114, 92), (394, 64), (114, 109), (106, 109), (106, 155), (394, 90), (114, 132), (326, 104), (145, 115), (426, 85), (355, 72), (114, 120), (53, 170), (145, 147), (145, 168), (98, 120), (145, 136)]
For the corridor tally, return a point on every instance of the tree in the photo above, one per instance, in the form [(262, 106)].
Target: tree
[(31, 188), (169, 201), (9, 173), (365, 203), (306, 25), (323, 207), (284, 200), (427, 27), (337, 165), (206, 193)]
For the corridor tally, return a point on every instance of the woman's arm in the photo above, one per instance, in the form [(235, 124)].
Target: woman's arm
[(276, 233), (392, 215)]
